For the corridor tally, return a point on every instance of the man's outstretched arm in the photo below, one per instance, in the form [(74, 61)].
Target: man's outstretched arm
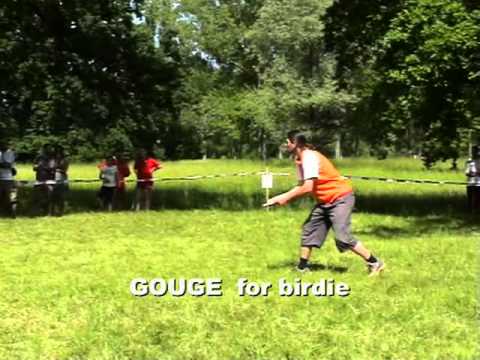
[(305, 188)]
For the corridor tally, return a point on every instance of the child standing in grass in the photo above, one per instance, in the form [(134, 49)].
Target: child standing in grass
[(109, 177), (335, 200), (144, 168), (473, 175)]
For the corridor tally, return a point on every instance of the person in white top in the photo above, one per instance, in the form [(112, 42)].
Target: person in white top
[(109, 177), (8, 189), (473, 184)]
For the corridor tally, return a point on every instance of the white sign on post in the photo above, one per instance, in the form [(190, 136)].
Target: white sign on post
[(267, 181), (267, 184)]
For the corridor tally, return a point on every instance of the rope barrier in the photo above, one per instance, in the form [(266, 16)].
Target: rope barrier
[(180, 178), (406, 181), (239, 174)]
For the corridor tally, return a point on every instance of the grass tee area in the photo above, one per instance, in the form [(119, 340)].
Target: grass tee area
[(65, 281)]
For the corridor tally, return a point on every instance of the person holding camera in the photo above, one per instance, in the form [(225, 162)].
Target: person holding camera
[(8, 188), (473, 184)]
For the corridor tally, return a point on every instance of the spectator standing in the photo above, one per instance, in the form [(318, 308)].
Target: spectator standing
[(145, 166), (44, 168), (8, 188), (473, 180), (109, 177), (61, 181), (123, 173)]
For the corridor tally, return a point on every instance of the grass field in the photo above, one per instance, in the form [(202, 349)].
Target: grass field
[(65, 281)]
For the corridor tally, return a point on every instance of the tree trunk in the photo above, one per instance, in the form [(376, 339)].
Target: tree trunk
[(204, 150), (280, 153), (338, 146), (262, 146), (356, 146)]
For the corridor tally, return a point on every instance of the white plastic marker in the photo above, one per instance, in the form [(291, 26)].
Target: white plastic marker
[(267, 184)]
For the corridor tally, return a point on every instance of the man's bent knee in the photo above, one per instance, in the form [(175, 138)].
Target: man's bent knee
[(345, 245)]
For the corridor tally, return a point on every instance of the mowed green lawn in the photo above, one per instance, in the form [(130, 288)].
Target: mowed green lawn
[(65, 282)]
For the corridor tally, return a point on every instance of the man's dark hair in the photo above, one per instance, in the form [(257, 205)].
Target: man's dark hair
[(297, 137), (300, 139)]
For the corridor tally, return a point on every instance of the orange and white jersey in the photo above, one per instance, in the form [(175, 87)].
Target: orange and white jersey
[(328, 184)]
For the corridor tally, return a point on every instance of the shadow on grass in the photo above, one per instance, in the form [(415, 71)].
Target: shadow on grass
[(384, 231), (407, 204), (442, 206), (313, 267), (82, 199)]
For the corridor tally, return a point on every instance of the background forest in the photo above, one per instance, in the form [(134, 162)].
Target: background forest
[(228, 78)]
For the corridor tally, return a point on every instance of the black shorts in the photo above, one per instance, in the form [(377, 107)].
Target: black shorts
[(106, 194), (8, 191)]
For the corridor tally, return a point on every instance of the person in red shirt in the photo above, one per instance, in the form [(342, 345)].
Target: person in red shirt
[(335, 200), (144, 168)]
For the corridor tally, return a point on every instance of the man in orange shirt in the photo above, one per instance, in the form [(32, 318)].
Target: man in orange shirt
[(335, 201)]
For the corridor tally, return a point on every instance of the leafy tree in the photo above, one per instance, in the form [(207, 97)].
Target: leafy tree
[(73, 65), (414, 66), (252, 70)]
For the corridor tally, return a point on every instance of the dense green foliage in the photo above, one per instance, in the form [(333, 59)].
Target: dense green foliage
[(229, 78), (416, 70), (65, 292), (82, 74), (265, 70)]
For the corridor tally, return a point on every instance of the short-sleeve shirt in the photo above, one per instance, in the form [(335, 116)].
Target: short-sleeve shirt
[(61, 167), (109, 176), (328, 184), (123, 172), (7, 156), (309, 167), (473, 172), (45, 168), (146, 167)]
